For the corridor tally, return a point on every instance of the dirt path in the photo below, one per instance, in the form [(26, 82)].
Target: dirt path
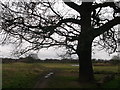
[(43, 81)]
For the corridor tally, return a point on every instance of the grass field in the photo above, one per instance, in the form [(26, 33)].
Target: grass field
[(25, 75)]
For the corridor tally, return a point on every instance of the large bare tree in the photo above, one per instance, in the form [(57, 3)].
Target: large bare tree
[(73, 25)]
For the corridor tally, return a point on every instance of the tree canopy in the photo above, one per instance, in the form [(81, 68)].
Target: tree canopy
[(74, 25), (46, 24)]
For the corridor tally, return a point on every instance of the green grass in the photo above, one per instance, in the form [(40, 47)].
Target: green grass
[(60, 66), (106, 68), (25, 75), (67, 80), (0, 75), (112, 84), (20, 75), (115, 83)]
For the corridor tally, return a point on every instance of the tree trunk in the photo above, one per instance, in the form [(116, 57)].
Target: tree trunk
[(85, 62), (85, 44)]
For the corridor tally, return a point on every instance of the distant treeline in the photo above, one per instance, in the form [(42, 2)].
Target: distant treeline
[(32, 60)]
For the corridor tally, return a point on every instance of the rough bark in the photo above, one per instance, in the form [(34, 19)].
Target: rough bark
[(85, 45), (84, 54)]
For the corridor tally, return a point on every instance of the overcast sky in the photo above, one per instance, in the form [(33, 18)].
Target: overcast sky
[(51, 53), (5, 51)]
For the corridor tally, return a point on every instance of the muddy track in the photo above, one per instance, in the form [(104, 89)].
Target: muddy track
[(43, 81)]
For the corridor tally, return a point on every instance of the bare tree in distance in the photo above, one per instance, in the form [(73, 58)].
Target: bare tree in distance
[(73, 25)]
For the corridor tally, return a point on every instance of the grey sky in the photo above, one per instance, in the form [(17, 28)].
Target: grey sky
[(51, 53)]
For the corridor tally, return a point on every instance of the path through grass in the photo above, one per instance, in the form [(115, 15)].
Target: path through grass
[(25, 75)]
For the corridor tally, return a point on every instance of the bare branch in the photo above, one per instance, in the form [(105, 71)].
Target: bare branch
[(106, 4), (107, 26), (72, 5)]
